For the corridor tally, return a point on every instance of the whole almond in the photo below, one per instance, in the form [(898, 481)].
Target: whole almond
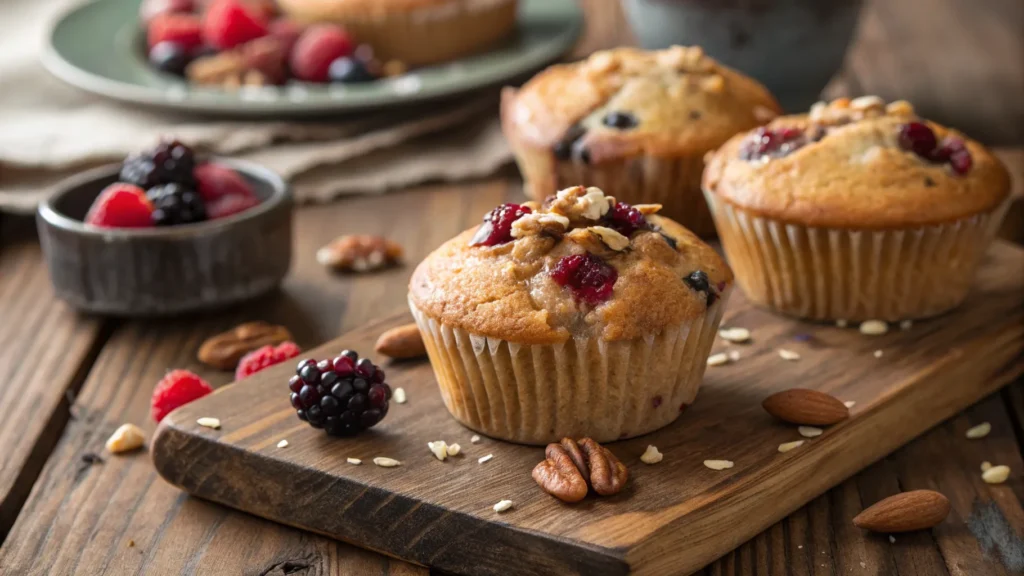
[(224, 350), (905, 512), (401, 342), (806, 407)]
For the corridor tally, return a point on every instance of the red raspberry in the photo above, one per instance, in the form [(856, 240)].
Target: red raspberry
[(185, 30), (497, 226), (217, 181), (265, 357), (318, 46), (121, 206), (229, 205), (229, 23), (177, 388), (588, 277)]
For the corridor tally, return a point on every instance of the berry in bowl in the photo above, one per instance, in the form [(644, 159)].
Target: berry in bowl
[(163, 233), (231, 43)]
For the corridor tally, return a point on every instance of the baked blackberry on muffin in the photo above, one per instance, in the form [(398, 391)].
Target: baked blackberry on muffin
[(415, 32), (856, 211), (636, 124), (581, 316)]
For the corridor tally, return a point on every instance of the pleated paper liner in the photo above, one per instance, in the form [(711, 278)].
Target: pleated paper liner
[(536, 394), (833, 274)]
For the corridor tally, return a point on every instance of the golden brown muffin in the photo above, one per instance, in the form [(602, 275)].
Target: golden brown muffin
[(415, 32), (636, 124), (858, 210), (580, 316)]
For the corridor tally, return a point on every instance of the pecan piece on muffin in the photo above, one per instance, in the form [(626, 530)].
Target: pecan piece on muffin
[(578, 316), (636, 124), (859, 210)]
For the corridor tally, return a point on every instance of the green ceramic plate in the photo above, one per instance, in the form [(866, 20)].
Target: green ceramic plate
[(98, 47)]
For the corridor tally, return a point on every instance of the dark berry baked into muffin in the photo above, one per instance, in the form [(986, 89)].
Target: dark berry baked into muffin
[(578, 316), (858, 210), (635, 124)]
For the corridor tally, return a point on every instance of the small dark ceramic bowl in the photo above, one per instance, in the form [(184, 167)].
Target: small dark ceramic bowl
[(170, 270)]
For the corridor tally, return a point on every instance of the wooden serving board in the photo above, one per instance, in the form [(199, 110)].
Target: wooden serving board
[(673, 517)]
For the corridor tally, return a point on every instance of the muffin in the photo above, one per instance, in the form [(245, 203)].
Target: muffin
[(636, 124), (858, 210), (415, 32), (581, 316)]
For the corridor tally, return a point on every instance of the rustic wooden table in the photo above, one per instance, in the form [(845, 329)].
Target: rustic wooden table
[(66, 381)]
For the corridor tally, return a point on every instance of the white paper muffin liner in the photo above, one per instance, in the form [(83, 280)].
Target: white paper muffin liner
[(540, 393), (832, 274)]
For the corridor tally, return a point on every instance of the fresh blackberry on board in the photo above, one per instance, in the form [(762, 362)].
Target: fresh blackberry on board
[(343, 396), (175, 204), (170, 162)]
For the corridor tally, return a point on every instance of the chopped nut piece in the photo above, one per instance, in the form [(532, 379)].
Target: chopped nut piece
[(979, 431), (878, 354), (216, 69), (354, 461), (540, 223), (580, 204), (892, 539), (502, 506), (714, 83), (736, 335), (900, 108), (439, 448), (985, 465), (386, 462), (599, 240), (454, 449), (359, 253), (809, 431), (718, 359), (648, 209), (126, 438), (841, 323), (788, 355), (208, 422), (399, 395), (763, 114), (475, 439), (718, 464), (483, 459), (651, 455), (282, 444), (850, 403), (787, 446), (601, 62), (866, 103), (996, 474), (873, 327), (610, 238), (906, 324)]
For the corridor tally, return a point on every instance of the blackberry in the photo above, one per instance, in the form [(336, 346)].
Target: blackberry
[(170, 162), (347, 70), (175, 204), (170, 57), (343, 396)]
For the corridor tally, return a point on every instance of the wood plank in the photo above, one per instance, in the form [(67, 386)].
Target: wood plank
[(439, 513), (81, 519), (45, 349)]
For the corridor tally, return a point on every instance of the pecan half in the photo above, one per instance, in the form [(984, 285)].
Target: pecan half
[(559, 475), (571, 469), (359, 253), (224, 350)]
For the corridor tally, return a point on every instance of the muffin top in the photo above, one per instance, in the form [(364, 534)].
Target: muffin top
[(580, 264), (857, 164), (627, 101)]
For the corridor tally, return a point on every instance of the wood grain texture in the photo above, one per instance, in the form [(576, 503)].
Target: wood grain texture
[(45, 349), (676, 516), (80, 519)]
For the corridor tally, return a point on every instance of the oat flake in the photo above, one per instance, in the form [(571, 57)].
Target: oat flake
[(208, 422), (282, 444), (810, 431), (386, 462), (398, 395), (719, 464), (503, 505), (979, 431)]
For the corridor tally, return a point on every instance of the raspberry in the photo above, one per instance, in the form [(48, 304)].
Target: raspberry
[(229, 206), (121, 206), (185, 30), (318, 46), (497, 226), (265, 357), (217, 181), (588, 277), (344, 396), (177, 388), (229, 23)]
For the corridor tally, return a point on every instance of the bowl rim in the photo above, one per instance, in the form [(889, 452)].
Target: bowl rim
[(47, 211)]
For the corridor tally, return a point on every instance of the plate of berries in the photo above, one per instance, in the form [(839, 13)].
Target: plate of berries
[(241, 58)]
